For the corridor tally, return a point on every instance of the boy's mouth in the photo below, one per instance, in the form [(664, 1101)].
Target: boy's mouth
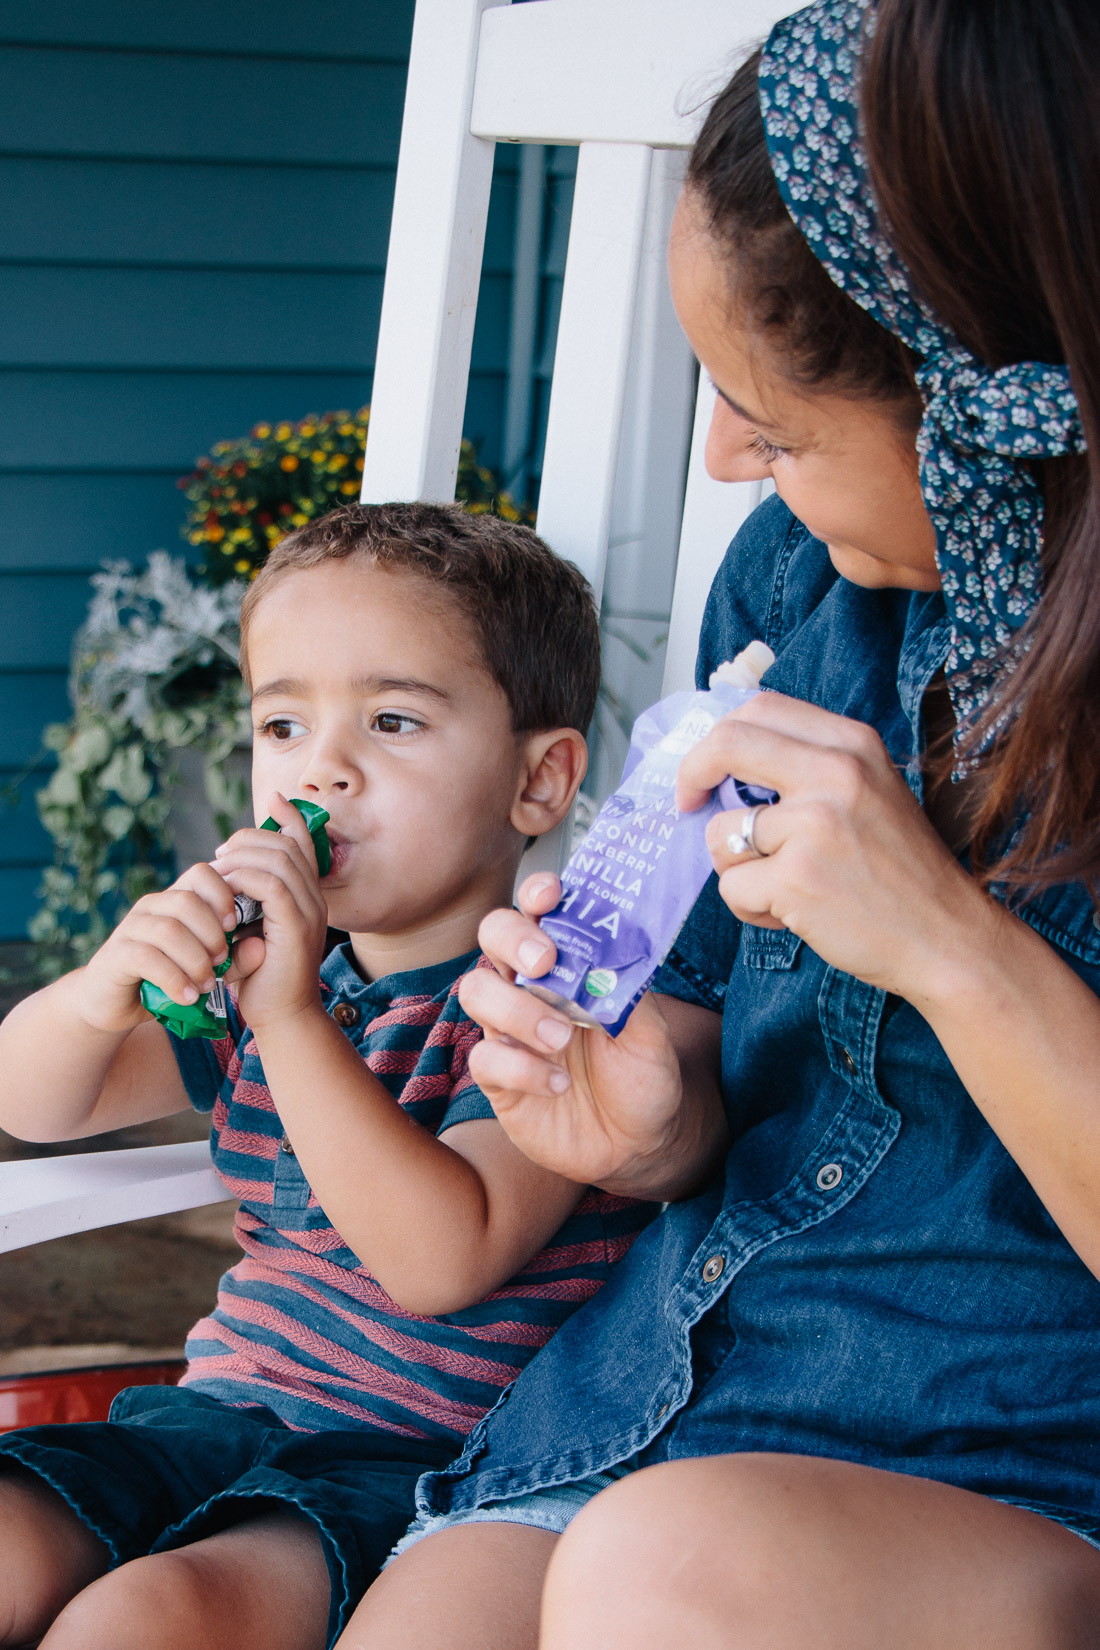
[(340, 848)]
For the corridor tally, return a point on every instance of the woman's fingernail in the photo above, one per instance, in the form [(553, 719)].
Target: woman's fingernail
[(530, 955), (559, 1081), (220, 849), (554, 1033)]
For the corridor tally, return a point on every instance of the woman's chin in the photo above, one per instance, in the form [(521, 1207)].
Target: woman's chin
[(879, 573)]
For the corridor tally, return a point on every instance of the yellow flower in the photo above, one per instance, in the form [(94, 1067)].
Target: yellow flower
[(240, 535), (196, 538), (349, 487), (215, 534), (307, 429), (317, 456), (282, 432), (262, 431), (298, 520), (242, 565), (338, 461), (288, 462), (227, 549), (345, 429)]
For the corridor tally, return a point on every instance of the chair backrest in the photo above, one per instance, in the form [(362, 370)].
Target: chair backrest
[(625, 80)]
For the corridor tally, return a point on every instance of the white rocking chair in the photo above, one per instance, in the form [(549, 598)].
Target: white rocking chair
[(626, 80)]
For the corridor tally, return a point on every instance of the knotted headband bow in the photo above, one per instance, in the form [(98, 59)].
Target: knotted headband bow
[(979, 423)]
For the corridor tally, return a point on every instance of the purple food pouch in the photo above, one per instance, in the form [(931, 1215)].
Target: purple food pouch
[(629, 887)]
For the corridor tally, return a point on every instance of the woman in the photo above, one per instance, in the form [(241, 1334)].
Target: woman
[(846, 1392)]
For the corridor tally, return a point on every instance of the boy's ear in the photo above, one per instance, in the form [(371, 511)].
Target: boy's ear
[(555, 762)]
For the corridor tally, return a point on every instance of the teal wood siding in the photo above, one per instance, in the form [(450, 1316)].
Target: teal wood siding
[(194, 210)]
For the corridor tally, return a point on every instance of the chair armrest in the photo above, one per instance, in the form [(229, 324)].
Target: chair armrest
[(49, 1197)]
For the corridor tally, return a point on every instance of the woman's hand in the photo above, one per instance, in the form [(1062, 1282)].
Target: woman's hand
[(599, 1110), (174, 938), (851, 863), (276, 975)]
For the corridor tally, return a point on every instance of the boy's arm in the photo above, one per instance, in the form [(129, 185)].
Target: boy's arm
[(82, 1055), (440, 1222)]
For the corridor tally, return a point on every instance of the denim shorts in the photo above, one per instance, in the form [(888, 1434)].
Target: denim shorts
[(550, 1509), (172, 1466), (555, 1508)]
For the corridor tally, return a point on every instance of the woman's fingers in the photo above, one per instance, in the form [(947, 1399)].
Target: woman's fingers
[(504, 1010), (726, 834), (515, 944), (783, 744), (506, 1070)]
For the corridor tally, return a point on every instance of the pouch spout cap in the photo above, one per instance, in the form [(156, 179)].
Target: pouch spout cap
[(747, 668)]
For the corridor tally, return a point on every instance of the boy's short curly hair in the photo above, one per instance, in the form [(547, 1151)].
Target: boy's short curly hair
[(533, 614)]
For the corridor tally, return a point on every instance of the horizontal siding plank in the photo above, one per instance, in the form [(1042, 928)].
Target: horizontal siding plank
[(212, 108), (28, 702), (77, 521), (22, 834), (17, 899), (138, 421), (41, 612), (190, 212), (217, 319), (325, 28)]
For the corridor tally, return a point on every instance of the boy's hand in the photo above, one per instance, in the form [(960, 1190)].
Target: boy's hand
[(173, 938), (277, 973), (607, 1111)]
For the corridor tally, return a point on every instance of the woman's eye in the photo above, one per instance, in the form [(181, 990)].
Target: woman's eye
[(394, 722), (764, 449), (282, 728)]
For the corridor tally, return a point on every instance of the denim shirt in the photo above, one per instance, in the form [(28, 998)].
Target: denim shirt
[(873, 1278)]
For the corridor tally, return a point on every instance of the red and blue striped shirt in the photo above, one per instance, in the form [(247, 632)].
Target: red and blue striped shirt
[(300, 1326)]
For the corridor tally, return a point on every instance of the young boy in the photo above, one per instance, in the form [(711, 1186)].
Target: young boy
[(423, 675)]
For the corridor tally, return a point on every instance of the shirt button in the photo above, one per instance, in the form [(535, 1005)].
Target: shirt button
[(848, 1060), (285, 1146), (345, 1014), (713, 1268), (829, 1175)]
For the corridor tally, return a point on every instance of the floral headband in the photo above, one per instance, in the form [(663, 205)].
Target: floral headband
[(979, 424)]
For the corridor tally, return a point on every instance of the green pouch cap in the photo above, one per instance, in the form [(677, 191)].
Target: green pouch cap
[(207, 1018)]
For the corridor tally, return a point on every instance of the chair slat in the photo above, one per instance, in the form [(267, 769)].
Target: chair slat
[(433, 267), (49, 1197), (611, 71)]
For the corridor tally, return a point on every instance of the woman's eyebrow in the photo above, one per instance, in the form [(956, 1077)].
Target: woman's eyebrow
[(744, 412)]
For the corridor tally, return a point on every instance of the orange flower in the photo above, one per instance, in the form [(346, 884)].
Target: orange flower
[(288, 462)]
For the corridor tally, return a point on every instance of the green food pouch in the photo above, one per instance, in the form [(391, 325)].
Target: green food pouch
[(207, 1017)]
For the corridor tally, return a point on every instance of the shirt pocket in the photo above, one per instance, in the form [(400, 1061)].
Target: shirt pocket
[(769, 947)]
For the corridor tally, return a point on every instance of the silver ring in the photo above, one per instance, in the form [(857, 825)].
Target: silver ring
[(744, 840)]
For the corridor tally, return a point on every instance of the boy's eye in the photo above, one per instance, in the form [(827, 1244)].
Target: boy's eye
[(394, 722), (282, 728), (764, 449)]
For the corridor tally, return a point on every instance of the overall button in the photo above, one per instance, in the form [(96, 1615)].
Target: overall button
[(285, 1146), (345, 1014), (662, 1412), (848, 1061), (713, 1268), (829, 1175)]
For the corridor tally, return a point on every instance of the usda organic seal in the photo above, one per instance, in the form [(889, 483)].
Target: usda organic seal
[(601, 982)]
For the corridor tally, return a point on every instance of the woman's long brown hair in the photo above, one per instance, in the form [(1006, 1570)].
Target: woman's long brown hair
[(982, 125)]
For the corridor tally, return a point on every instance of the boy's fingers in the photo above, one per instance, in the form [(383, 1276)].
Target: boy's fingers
[(150, 963), (504, 1010), (248, 954), (203, 879), (515, 944), (507, 1073), (193, 913), (168, 937), (291, 825)]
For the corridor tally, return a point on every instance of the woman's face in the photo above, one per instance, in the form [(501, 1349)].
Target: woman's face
[(846, 467)]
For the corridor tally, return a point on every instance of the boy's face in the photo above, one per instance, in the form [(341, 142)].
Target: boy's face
[(370, 698)]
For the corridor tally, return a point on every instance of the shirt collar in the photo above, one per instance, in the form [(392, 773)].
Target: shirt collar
[(341, 975)]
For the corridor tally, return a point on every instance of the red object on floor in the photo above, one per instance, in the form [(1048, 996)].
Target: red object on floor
[(75, 1394)]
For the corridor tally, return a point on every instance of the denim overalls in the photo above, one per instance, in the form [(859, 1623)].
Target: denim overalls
[(873, 1279)]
